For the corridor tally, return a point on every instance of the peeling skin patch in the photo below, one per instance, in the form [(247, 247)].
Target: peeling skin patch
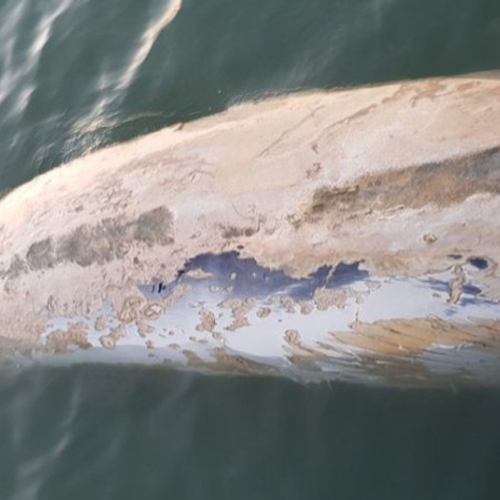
[(152, 311), (325, 298), (413, 187), (105, 242), (109, 341), (60, 341), (131, 309), (263, 312), (208, 322), (457, 284), (306, 307), (144, 329), (288, 304), (239, 310), (430, 238)]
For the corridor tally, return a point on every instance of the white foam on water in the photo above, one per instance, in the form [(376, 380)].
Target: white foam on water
[(18, 81), (148, 40), (46, 25), (113, 87)]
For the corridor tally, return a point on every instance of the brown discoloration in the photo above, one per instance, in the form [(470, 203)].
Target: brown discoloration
[(325, 298), (59, 341), (314, 171), (429, 238), (405, 336), (207, 323), (249, 303), (292, 337), (99, 244), (263, 312), (102, 243), (329, 347), (440, 184), (227, 363), (230, 304), (456, 285), (131, 309), (152, 311), (333, 199), (155, 227), (193, 358), (239, 309), (240, 319), (288, 304), (143, 329), (294, 341), (306, 307), (109, 341), (236, 232)]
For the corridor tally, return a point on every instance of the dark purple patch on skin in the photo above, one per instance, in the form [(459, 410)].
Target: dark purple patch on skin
[(246, 278)]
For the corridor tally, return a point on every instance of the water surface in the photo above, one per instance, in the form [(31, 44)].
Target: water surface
[(79, 74), (107, 433)]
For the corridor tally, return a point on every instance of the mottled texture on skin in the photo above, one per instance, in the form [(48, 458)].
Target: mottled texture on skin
[(398, 178)]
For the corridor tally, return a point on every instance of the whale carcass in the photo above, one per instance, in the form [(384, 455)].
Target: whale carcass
[(349, 234)]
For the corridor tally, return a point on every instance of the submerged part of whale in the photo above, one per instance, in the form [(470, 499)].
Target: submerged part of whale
[(330, 235)]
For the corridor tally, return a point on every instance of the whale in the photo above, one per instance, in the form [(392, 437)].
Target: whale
[(343, 234)]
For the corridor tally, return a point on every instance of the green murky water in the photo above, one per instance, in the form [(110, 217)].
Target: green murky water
[(68, 85)]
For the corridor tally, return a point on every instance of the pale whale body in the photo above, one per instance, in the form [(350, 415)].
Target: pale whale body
[(349, 235)]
